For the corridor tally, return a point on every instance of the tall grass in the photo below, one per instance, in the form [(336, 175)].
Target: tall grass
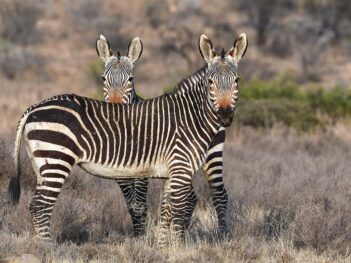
[(289, 201)]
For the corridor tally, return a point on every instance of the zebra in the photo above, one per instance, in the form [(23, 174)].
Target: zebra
[(165, 137), (119, 88), (213, 166)]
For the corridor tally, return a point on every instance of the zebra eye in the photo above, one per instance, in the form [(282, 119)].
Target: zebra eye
[(210, 81), (237, 80), (130, 79), (103, 78)]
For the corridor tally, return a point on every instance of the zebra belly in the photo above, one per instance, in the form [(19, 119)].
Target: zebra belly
[(156, 171)]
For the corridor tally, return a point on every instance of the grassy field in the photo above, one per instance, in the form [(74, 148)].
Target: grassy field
[(289, 202)]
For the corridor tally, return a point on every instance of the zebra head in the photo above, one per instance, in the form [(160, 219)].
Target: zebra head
[(118, 73), (222, 76)]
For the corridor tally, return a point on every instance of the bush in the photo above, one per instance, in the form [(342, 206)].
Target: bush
[(83, 13), (14, 61), (336, 103), (94, 71), (282, 100), (282, 87), (94, 19), (268, 112), (18, 21)]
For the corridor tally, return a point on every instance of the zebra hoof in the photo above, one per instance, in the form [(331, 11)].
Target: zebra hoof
[(224, 233), (139, 234)]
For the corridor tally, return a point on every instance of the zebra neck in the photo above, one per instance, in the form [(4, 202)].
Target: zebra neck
[(191, 80), (199, 104)]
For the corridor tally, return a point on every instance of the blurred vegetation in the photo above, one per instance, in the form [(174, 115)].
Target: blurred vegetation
[(263, 104), (268, 112), (94, 70), (18, 31), (18, 21)]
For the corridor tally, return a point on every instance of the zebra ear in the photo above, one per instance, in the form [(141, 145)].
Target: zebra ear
[(239, 48), (206, 49), (135, 49), (103, 48)]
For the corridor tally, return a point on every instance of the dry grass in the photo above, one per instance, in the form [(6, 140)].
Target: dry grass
[(289, 199)]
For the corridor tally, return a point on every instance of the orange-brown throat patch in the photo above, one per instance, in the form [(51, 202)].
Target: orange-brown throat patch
[(115, 96)]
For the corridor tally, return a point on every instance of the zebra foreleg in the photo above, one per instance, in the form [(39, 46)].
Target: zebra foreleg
[(213, 170), (165, 216), (180, 189), (190, 207), (219, 196)]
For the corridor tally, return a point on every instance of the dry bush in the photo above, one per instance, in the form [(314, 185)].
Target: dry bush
[(156, 12), (312, 39), (92, 18), (19, 21), (262, 15), (14, 61), (333, 14), (82, 13)]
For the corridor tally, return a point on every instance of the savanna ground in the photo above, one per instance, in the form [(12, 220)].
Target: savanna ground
[(289, 201), (287, 155)]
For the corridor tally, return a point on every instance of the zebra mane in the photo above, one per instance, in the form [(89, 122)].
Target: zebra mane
[(189, 81), (223, 53)]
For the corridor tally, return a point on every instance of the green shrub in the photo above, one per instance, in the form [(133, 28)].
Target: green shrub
[(264, 113), (168, 89), (94, 70), (282, 87), (335, 103)]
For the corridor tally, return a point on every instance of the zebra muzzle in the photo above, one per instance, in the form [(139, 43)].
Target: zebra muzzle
[(115, 96), (225, 116)]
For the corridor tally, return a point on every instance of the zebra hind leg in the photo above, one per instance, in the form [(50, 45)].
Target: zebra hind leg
[(134, 191), (45, 197), (40, 211), (140, 206)]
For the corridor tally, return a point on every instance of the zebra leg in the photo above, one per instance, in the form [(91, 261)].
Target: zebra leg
[(180, 186), (189, 210), (165, 215), (134, 191), (213, 170), (140, 206), (50, 181), (219, 197)]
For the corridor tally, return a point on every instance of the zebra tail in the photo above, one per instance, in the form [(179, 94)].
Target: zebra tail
[(14, 188)]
